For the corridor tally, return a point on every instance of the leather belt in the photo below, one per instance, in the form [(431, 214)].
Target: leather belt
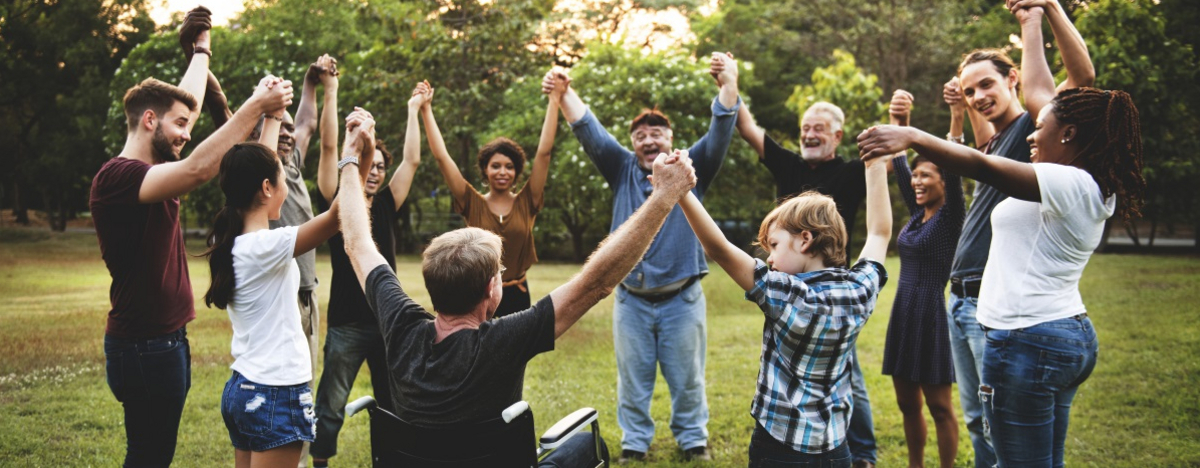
[(965, 287), (662, 296)]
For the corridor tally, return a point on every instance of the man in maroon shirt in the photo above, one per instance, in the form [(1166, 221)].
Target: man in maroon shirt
[(135, 207)]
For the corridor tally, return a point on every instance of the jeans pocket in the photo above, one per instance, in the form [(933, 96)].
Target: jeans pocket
[(692, 293), (253, 407), (1058, 369), (162, 345)]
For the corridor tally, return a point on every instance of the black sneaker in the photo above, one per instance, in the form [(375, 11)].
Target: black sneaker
[(628, 456), (697, 454)]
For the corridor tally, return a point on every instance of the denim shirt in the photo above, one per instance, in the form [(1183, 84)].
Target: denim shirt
[(675, 254)]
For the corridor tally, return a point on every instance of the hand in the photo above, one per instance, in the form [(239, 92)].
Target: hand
[(197, 21), (673, 175), (1029, 15), (953, 95), (723, 68), (365, 136), (883, 141), (1014, 5), (273, 94), (901, 107), (555, 83), (421, 96), (323, 71)]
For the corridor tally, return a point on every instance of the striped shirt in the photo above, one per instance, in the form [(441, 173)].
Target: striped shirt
[(812, 319)]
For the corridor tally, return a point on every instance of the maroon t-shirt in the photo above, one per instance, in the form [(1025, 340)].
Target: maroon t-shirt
[(142, 246)]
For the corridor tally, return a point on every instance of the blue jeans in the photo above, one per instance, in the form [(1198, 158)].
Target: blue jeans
[(672, 335), (766, 452), (860, 436), (151, 378), (1030, 376), (263, 417), (346, 347), (966, 348)]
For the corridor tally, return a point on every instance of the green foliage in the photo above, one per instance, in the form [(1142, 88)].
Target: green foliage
[(847, 86)]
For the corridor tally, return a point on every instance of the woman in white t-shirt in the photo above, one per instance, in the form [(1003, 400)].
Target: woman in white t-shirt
[(1086, 166), (267, 404)]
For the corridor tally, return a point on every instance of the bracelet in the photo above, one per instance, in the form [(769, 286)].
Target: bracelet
[(347, 160), (202, 50), (275, 117), (961, 139)]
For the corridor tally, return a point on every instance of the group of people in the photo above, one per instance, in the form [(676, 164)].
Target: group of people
[(1016, 335)]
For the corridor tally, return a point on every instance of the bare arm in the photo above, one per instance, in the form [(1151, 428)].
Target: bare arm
[(737, 263), (170, 180), (353, 216), (573, 107), (269, 136), (879, 210), (437, 146), (327, 174), (750, 131), (402, 179), (1071, 46), (1015, 179), (1037, 80), (306, 114), (195, 79), (541, 162), (624, 248)]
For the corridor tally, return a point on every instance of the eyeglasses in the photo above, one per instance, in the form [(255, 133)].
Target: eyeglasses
[(379, 167), (502, 270)]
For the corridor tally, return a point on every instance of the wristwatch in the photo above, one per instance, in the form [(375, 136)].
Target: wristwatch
[(347, 160)]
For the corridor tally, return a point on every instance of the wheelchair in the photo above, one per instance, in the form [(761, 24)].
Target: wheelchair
[(506, 441)]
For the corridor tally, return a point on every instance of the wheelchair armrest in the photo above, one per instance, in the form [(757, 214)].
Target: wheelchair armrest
[(360, 404), (514, 410), (567, 427)]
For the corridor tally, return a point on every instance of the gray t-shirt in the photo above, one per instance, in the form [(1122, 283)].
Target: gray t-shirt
[(470, 376), (971, 256), (297, 210)]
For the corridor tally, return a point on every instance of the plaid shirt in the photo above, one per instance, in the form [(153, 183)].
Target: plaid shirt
[(803, 397)]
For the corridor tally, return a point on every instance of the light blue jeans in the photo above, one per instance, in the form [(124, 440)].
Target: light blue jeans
[(860, 436), (1030, 376), (671, 334), (966, 347)]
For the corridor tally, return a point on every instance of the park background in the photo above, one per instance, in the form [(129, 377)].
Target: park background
[(65, 65)]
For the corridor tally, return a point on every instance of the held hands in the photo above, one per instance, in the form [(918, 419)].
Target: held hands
[(272, 95), (360, 140), (953, 95), (901, 107), (555, 83), (194, 32), (881, 142), (673, 175), (1028, 11), (323, 71), (422, 96), (723, 68)]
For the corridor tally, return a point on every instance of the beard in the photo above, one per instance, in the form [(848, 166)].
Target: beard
[(816, 154), (161, 147)]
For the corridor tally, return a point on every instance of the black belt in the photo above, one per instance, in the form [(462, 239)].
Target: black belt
[(965, 287), (662, 296)]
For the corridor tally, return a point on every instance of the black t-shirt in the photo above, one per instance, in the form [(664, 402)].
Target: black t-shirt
[(347, 304), (469, 377), (843, 180)]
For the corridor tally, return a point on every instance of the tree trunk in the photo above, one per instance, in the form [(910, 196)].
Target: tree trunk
[(1153, 230), (19, 211), (1131, 230)]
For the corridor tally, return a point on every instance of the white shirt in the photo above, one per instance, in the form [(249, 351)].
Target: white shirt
[(1039, 250), (269, 346)]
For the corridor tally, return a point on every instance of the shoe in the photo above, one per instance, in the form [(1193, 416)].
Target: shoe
[(697, 454), (629, 456), (862, 464)]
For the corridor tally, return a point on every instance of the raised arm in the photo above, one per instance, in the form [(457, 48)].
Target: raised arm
[(709, 152), (624, 248), (170, 180), (879, 210), (402, 179), (454, 178), (353, 216), (196, 32), (899, 113), (726, 73), (572, 106), (545, 148), (1071, 46), (1015, 179), (1036, 79), (327, 173), (360, 134), (306, 113), (736, 262), (750, 131)]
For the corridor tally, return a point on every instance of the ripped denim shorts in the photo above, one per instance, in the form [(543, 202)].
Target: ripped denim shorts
[(262, 417)]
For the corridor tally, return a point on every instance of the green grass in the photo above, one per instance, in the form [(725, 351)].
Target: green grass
[(1141, 407)]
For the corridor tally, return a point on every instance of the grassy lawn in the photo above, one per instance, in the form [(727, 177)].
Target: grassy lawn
[(1140, 408)]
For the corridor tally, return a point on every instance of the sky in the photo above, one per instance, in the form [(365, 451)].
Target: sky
[(223, 10)]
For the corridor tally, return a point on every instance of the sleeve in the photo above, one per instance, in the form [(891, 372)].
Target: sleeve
[(605, 152), (956, 202), (870, 274), (530, 332), (1066, 189), (780, 161), (121, 182), (904, 182), (273, 249), (473, 199), (773, 291), (534, 206), (708, 153), (393, 309)]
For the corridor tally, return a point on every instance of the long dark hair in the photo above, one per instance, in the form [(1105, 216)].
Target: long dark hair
[(1110, 142), (243, 170)]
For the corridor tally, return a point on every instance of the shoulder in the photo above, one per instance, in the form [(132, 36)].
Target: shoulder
[(265, 241), (868, 273), (120, 171)]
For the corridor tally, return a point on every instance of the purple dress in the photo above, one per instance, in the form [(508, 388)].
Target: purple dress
[(918, 337)]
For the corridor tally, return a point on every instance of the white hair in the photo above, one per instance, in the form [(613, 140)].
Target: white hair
[(834, 112)]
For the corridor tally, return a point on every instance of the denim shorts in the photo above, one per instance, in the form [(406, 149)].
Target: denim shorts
[(262, 417)]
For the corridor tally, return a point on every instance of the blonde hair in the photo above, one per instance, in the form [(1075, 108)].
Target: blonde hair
[(834, 112), (458, 267), (813, 212)]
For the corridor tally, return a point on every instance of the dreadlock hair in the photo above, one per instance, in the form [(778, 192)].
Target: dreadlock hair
[(1110, 140)]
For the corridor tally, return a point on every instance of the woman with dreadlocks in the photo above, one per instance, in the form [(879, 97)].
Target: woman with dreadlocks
[(1086, 165)]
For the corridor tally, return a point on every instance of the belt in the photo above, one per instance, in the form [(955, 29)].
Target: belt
[(519, 283), (965, 287), (662, 296)]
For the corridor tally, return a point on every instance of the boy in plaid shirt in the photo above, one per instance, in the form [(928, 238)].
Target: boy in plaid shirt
[(814, 309)]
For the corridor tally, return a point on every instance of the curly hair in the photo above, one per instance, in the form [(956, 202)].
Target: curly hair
[(1110, 139), (505, 147)]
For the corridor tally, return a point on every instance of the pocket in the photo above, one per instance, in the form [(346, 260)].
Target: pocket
[(253, 407), (162, 346), (692, 293), (1057, 369)]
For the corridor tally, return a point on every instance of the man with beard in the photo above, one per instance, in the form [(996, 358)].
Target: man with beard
[(818, 167), (135, 207), (659, 315), (353, 335)]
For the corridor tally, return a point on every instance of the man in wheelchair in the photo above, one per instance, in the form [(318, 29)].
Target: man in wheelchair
[(459, 369)]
